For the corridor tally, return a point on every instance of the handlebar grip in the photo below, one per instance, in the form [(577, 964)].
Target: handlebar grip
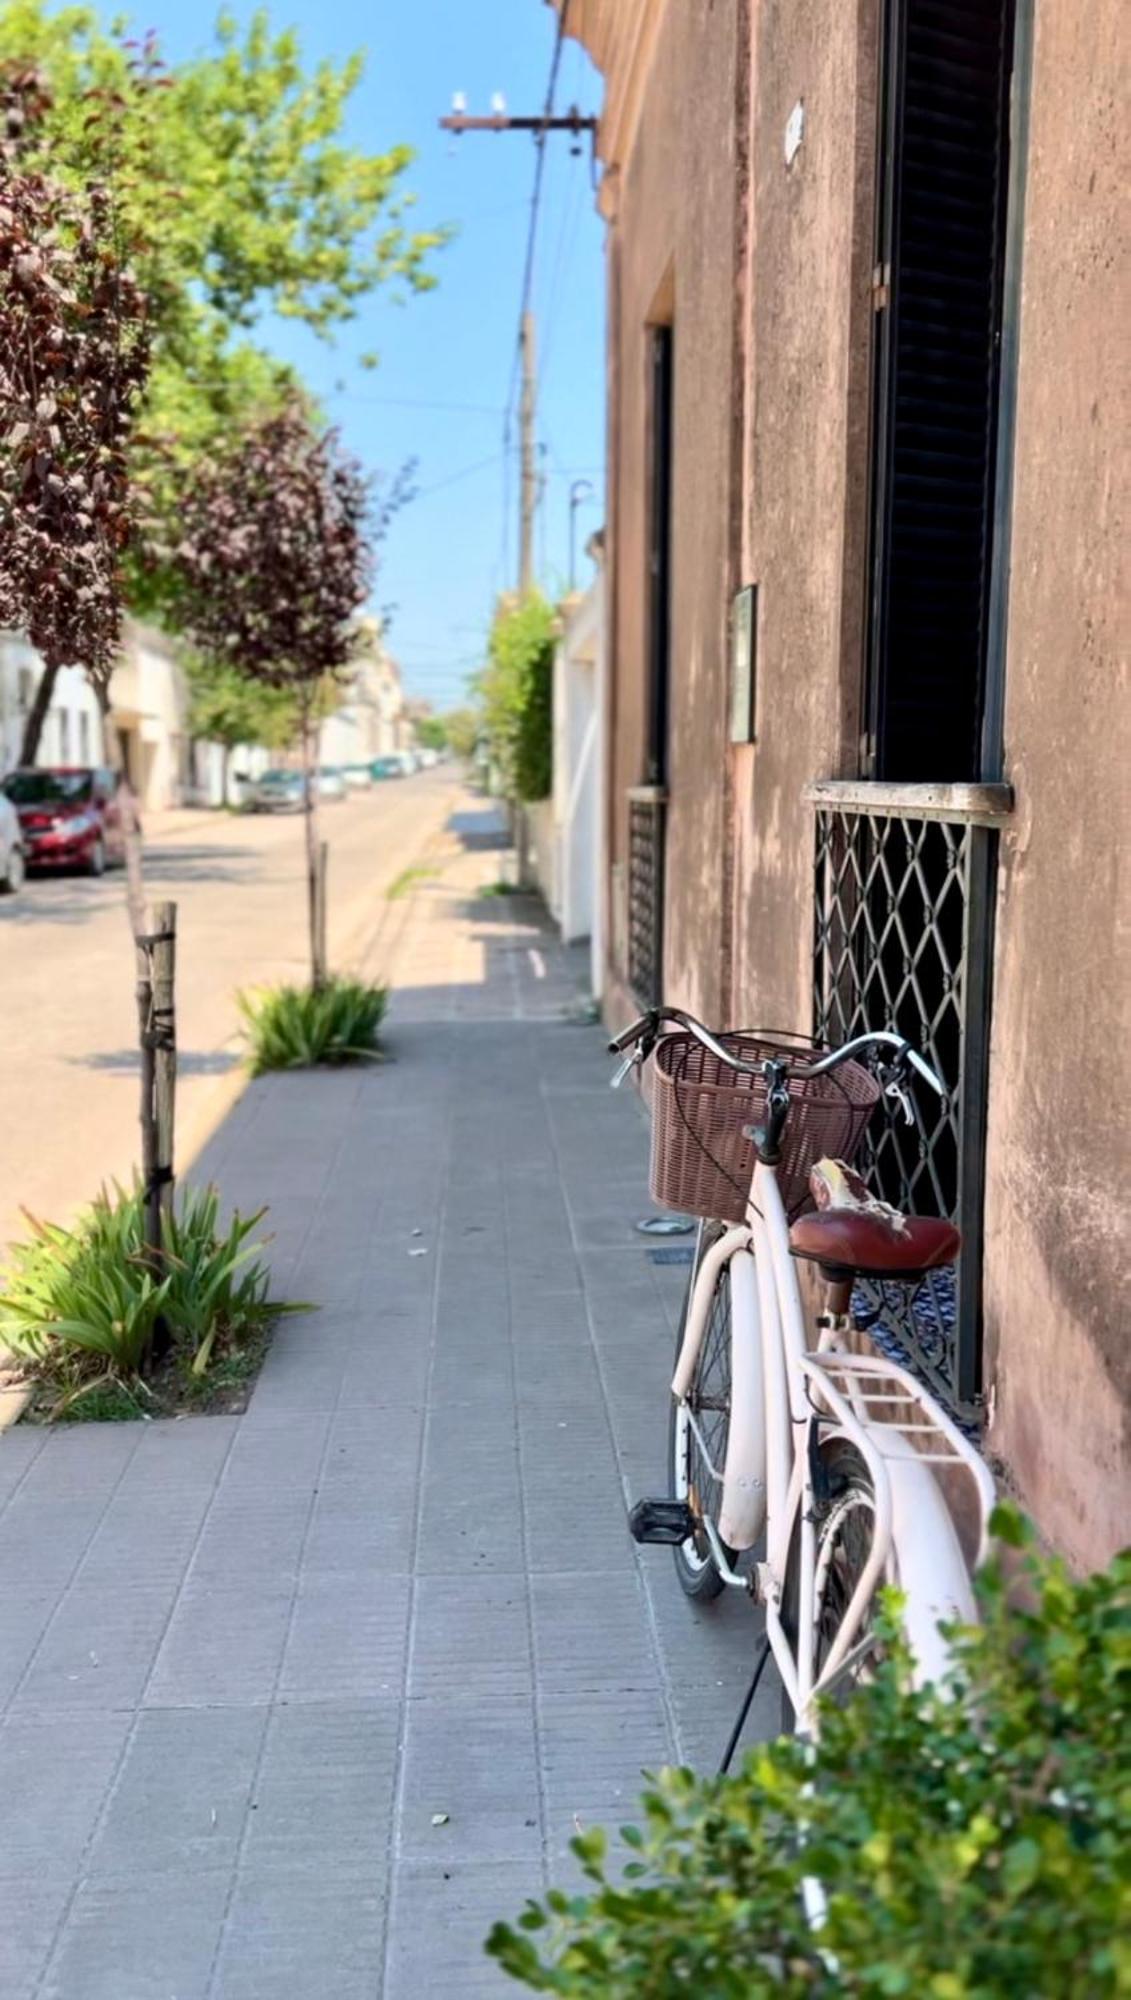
[(925, 1071), (629, 1035)]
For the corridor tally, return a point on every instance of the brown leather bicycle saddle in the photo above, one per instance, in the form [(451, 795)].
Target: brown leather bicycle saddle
[(852, 1233)]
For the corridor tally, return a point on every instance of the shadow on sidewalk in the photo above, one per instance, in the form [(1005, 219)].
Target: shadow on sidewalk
[(483, 829)]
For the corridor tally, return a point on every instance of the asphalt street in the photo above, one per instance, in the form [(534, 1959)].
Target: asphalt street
[(68, 1058)]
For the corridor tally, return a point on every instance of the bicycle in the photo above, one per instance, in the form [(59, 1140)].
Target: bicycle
[(829, 1454)]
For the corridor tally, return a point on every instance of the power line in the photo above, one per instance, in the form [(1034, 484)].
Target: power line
[(414, 403), (523, 363), (532, 229), (572, 209), (359, 396), (464, 472)]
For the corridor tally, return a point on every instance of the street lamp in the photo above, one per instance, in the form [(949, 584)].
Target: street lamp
[(577, 493)]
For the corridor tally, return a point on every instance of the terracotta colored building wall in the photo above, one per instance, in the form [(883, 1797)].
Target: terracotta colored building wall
[(1057, 1232), (806, 391), (671, 255), (773, 317)]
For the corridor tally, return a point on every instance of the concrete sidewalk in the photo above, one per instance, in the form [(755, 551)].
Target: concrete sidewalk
[(247, 1662)]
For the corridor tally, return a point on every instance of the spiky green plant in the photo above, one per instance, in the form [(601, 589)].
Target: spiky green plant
[(81, 1305), (298, 1027)]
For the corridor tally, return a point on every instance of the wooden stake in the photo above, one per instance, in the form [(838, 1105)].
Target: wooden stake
[(164, 1037), (323, 920), (310, 819)]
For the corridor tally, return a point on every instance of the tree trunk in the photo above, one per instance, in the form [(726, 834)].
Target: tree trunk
[(310, 816), (225, 759), (37, 715)]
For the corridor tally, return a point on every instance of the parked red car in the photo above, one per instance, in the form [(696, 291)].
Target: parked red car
[(69, 816)]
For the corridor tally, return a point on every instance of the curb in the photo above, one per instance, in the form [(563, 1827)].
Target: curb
[(13, 1403)]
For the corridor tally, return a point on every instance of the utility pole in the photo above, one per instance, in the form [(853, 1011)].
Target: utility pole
[(528, 493), (458, 121)]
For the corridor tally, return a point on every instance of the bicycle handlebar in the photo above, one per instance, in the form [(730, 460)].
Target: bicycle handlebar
[(649, 1026)]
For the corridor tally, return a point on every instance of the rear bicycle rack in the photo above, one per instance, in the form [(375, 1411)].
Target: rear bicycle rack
[(872, 1393)]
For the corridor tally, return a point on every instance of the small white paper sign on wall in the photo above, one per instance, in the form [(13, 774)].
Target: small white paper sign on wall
[(794, 131)]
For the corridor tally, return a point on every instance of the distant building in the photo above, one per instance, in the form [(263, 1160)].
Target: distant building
[(372, 720), (564, 834), (148, 715), (72, 732)]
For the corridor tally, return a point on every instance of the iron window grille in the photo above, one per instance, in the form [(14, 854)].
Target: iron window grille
[(646, 815), (902, 940)]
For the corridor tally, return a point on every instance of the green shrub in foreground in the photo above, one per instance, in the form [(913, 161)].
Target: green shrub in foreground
[(970, 1848), (297, 1027), (80, 1305)]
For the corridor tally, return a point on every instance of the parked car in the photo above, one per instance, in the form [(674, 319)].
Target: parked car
[(12, 863), (357, 776), (331, 783), (277, 791), (427, 758), (387, 767), (69, 817)]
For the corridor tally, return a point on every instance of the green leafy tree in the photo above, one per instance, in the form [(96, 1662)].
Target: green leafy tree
[(229, 708), (517, 691), (431, 732), (239, 199), (970, 1844), (462, 726)]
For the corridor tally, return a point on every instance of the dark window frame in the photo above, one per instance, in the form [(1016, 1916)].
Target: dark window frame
[(661, 389), (961, 723)]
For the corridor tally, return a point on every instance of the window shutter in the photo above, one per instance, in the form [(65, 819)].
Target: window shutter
[(937, 297)]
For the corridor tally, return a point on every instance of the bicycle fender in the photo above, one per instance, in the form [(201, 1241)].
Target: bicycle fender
[(742, 1515), (931, 1569)]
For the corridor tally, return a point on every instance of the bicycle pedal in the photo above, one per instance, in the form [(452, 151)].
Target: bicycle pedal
[(668, 1521)]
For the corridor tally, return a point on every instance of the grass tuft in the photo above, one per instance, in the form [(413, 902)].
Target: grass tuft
[(297, 1027), (404, 883), (83, 1307)]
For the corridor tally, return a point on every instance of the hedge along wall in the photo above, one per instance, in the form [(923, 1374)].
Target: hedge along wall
[(517, 688)]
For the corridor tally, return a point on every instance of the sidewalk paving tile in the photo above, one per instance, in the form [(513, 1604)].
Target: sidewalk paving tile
[(295, 1704)]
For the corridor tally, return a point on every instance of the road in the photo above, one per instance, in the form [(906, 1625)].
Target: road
[(68, 1061)]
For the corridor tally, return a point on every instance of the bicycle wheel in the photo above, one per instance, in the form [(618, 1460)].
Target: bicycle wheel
[(689, 1475), (844, 1544)]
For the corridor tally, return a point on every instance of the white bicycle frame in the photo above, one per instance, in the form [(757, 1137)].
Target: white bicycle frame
[(778, 1390)]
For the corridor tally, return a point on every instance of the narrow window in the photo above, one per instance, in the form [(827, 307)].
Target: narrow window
[(659, 556), (938, 299)]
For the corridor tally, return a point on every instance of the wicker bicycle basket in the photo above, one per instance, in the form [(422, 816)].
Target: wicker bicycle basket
[(701, 1161)]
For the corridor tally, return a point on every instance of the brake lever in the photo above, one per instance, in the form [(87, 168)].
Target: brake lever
[(896, 1089), (633, 1060)]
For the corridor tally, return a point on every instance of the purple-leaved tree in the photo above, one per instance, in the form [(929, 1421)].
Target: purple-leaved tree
[(75, 349), (74, 360), (275, 559)]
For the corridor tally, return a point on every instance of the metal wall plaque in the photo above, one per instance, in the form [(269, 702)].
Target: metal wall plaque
[(744, 661)]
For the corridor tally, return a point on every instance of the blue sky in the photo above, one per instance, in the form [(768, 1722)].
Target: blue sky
[(450, 552)]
